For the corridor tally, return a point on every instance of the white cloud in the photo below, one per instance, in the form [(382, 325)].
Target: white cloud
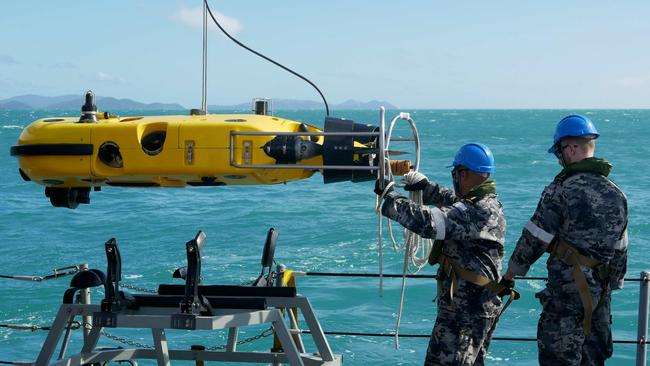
[(102, 76), (193, 17)]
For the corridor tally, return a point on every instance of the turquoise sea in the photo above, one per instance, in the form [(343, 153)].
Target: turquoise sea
[(323, 228)]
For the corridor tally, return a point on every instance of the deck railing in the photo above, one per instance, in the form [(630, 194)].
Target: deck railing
[(642, 321)]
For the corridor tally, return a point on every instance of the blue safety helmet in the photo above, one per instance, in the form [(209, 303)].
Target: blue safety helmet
[(475, 157), (573, 126)]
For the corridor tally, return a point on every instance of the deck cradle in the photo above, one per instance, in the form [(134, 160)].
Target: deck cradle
[(187, 307)]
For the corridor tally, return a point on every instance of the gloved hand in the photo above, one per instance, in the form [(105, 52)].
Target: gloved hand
[(509, 286), (415, 181), (379, 191)]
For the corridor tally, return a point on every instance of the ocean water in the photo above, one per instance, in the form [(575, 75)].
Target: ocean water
[(323, 228)]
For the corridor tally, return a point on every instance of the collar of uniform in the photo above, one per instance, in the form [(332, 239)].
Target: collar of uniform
[(588, 165), (487, 187)]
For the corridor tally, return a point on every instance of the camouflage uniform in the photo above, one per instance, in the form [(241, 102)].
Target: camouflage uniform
[(589, 212), (473, 231)]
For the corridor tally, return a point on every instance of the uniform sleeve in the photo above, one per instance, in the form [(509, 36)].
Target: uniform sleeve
[(538, 232), (618, 264), (435, 194), (448, 222)]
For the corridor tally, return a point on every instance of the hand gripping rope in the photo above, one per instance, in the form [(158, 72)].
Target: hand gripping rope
[(416, 249)]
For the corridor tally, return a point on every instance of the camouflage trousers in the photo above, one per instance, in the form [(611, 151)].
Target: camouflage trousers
[(561, 338), (459, 338)]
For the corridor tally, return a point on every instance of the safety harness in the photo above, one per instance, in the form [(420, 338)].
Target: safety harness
[(451, 269), (567, 253)]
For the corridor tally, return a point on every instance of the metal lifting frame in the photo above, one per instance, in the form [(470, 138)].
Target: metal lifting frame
[(158, 319), (219, 307), (382, 142), (296, 166)]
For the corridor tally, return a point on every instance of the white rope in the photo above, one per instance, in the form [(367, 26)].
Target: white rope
[(416, 254), (378, 203), (416, 249)]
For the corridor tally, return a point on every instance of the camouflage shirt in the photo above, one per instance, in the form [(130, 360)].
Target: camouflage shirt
[(473, 231), (585, 209)]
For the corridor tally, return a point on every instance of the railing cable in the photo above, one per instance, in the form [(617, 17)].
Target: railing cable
[(353, 274), (402, 335)]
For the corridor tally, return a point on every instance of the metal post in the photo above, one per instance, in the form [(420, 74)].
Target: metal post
[(84, 298), (232, 339), (382, 143), (204, 87), (643, 319), (279, 274), (380, 176)]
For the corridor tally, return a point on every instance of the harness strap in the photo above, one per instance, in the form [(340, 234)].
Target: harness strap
[(569, 255), (453, 270)]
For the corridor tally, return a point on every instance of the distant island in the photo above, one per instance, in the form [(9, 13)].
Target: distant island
[(74, 102), (296, 104)]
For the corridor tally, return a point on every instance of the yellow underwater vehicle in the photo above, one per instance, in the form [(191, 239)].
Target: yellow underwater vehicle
[(71, 156)]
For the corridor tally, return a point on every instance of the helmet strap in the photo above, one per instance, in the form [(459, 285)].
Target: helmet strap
[(557, 151), (455, 177)]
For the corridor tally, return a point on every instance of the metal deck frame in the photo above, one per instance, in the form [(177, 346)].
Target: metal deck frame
[(158, 319)]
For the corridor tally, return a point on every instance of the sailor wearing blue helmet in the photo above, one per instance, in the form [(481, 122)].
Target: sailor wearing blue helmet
[(468, 226), (581, 220), (474, 157), (572, 126)]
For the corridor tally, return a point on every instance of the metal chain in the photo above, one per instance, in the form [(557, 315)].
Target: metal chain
[(264, 334), (126, 341), (129, 342), (140, 289), (116, 338)]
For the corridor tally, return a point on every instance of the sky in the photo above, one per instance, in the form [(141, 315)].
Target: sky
[(413, 54)]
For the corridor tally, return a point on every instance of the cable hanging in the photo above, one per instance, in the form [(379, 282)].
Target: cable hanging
[(214, 19), (58, 273)]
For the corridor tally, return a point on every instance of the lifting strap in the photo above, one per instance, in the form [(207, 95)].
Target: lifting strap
[(454, 271), (569, 255)]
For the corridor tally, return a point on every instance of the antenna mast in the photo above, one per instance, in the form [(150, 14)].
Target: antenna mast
[(204, 103)]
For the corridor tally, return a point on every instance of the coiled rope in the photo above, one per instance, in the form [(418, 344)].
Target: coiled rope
[(416, 249)]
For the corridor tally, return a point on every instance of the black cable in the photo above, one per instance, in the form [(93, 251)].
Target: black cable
[(343, 274), (401, 335), (327, 108), (338, 274)]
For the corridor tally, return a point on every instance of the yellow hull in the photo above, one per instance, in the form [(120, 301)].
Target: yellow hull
[(167, 151)]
